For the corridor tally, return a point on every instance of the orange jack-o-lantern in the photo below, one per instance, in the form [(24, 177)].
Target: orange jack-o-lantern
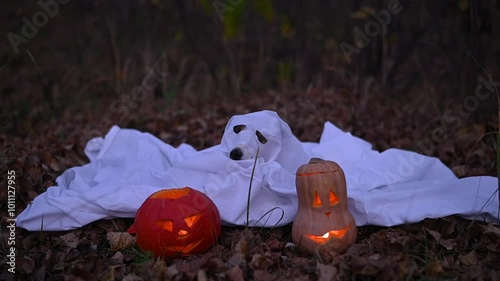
[(322, 219), (176, 222)]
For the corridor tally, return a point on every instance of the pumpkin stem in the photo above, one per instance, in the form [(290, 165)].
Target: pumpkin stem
[(315, 160)]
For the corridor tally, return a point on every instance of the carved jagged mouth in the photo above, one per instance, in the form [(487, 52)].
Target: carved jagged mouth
[(183, 250), (321, 239)]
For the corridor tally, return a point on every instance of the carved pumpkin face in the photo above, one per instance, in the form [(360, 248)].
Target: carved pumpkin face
[(176, 222), (322, 219)]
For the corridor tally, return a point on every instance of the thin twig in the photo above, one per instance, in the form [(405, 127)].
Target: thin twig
[(250, 188)]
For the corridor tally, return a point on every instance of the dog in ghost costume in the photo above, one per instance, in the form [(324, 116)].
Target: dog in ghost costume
[(267, 131), (223, 172)]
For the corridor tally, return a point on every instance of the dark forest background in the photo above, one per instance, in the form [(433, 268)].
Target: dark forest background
[(238, 47)]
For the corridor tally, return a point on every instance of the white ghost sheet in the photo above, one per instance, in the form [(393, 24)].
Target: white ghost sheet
[(126, 166)]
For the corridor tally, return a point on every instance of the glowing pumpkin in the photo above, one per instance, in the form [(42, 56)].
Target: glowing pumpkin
[(176, 222), (322, 219)]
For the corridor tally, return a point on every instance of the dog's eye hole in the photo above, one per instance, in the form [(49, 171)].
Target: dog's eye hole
[(239, 128), (261, 137)]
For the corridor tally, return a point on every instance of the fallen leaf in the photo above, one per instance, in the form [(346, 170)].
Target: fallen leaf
[(435, 234), (448, 244), (160, 270), (299, 261), (30, 241), (275, 244), (468, 259), (47, 259), (235, 274), (369, 270), (120, 240), (494, 247), (214, 264), (32, 166), (202, 275), (54, 165), (118, 256), (132, 277), (450, 226), (326, 272), (172, 270), (448, 260), (40, 273), (260, 262), (490, 228), (235, 259), (263, 275), (26, 264), (193, 266), (358, 250), (70, 239), (110, 274), (434, 268)]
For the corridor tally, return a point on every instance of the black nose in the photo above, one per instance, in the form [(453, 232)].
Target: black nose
[(236, 154)]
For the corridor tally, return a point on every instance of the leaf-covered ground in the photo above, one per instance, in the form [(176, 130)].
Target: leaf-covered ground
[(447, 248), (52, 104)]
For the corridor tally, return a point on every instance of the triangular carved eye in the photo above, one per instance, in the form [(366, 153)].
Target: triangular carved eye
[(334, 200), (317, 201), (168, 225), (191, 220)]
